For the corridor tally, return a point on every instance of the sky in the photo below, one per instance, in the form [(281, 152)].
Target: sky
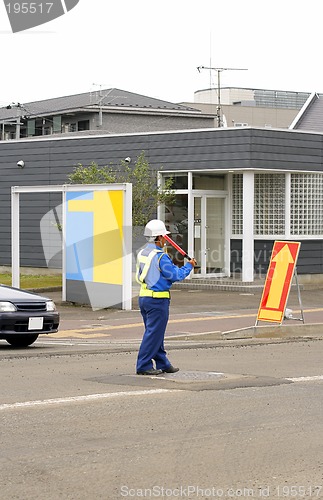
[(154, 47)]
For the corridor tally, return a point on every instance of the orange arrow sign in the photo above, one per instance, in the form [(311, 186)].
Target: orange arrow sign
[(278, 281), (282, 259)]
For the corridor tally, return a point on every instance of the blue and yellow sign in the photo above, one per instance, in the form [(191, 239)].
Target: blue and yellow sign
[(94, 236)]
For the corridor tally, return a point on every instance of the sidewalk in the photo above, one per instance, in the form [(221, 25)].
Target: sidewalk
[(195, 314)]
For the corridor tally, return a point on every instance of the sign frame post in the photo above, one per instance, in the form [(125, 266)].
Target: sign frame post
[(299, 297), (98, 294)]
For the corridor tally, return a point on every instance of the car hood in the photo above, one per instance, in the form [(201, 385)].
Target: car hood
[(8, 293)]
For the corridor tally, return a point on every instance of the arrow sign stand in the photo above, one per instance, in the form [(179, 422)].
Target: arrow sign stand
[(299, 297), (282, 268)]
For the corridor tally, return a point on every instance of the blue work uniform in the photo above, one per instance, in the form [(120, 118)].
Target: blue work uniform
[(156, 273)]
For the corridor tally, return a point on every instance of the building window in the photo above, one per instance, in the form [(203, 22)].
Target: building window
[(57, 124), (269, 204), (209, 181), (237, 205), (31, 127), (306, 204), (83, 125), (176, 221), (180, 180)]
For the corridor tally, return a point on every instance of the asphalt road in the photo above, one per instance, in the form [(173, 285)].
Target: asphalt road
[(238, 421), (241, 419)]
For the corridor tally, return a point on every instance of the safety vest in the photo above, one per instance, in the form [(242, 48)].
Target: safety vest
[(143, 265)]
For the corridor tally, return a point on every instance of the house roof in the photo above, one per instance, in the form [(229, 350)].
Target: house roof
[(310, 116), (108, 99)]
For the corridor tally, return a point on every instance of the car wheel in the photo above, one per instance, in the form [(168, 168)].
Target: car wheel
[(22, 340)]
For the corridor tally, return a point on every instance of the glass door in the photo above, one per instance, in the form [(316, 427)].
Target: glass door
[(209, 235)]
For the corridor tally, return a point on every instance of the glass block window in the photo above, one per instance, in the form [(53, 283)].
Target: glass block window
[(306, 204), (269, 204), (237, 206)]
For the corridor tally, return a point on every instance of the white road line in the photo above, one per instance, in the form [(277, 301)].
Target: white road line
[(306, 379), (88, 397), (112, 395)]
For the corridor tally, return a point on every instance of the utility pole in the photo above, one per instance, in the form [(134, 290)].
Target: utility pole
[(17, 122), (219, 71), (100, 106)]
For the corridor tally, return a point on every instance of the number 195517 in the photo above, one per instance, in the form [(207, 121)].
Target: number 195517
[(29, 8)]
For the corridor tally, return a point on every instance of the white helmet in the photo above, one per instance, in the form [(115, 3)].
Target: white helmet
[(155, 227)]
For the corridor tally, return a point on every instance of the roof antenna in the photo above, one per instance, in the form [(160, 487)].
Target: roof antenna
[(219, 71)]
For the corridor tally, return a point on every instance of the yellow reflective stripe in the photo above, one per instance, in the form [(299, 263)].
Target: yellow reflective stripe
[(138, 267), (145, 292), (141, 259), (146, 260)]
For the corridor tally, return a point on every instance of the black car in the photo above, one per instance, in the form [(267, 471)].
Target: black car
[(24, 315)]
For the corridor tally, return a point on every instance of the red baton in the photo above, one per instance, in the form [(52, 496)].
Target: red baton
[(178, 248)]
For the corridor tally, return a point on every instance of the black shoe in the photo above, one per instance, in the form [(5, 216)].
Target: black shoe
[(171, 369), (152, 371)]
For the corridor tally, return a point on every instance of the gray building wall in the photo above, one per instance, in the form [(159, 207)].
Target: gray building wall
[(49, 161), (135, 122), (122, 123), (252, 116), (116, 122), (310, 260)]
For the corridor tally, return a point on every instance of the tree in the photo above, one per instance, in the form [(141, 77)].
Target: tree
[(146, 195), (93, 174)]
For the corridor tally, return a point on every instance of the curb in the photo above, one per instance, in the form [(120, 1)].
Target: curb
[(44, 289), (216, 335), (280, 331), (256, 332)]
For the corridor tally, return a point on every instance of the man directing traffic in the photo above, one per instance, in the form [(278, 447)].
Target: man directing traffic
[(156, 273)]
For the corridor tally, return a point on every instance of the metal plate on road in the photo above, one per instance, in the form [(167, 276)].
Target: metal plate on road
[(190, 381)]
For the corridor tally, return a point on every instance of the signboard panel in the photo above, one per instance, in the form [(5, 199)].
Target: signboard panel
[(278, 281), (97, 225), (94, 236)]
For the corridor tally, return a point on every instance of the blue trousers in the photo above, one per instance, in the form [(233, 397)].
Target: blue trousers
[(155, 313)]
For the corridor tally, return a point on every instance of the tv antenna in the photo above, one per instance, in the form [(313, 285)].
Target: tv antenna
[(219, 71)]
